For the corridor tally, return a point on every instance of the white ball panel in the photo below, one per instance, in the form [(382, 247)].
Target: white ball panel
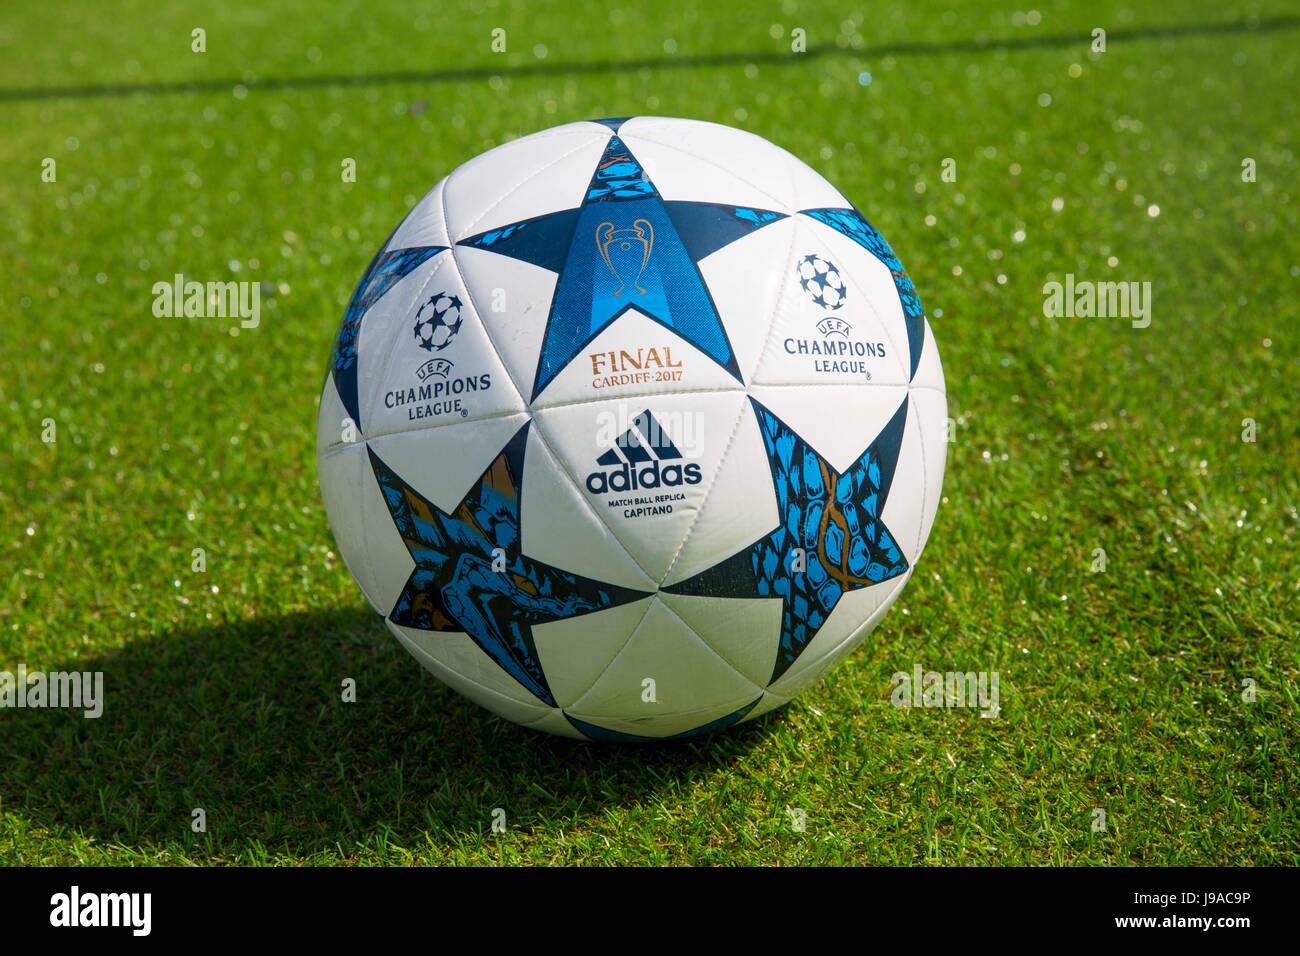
[(862, 339), (699, 425), (904, 510), (840, 422), (404, 386), (918, 480), (930, 411), (742, 631), (688, 675), (363, 529), (524, 292), (747, 297), (755, 161), (459, 663), (443, 463), (424, 225), (523, 179), (682, 175), (331, 419), (740, 507), (929, 372), (562, 528), (810, 189), (576, 651)]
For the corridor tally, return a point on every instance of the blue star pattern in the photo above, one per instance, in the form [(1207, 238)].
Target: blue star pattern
[(853, 224), (606, 735), (385, 270), (624, 248), (831, 518), (471, 573)]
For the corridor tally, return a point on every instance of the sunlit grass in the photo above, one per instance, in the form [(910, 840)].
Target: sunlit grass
[(1121, 690)]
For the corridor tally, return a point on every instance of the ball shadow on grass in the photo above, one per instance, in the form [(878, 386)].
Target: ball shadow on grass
[(246, 721)]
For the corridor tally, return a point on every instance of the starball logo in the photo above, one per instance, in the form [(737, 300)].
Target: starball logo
[(838, 351), (441, 394), (644, 458), (438, 321)]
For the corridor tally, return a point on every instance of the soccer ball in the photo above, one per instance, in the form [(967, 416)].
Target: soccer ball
[(667, 440)]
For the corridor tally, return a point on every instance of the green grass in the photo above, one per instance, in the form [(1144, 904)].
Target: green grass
[(1120, 690)]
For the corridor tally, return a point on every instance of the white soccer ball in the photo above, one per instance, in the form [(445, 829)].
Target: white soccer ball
[(678, 455)]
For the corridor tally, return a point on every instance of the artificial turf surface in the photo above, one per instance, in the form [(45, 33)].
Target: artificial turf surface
[(1120, 690)]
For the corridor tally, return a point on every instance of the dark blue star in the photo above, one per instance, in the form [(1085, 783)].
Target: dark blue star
[(623, 248), (619, 737), (829, 538), (471, 573)]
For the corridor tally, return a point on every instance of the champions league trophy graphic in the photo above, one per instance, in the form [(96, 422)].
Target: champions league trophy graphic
[(626, 251)]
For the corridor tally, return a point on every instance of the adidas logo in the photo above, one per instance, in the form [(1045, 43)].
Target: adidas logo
[(643, 457)]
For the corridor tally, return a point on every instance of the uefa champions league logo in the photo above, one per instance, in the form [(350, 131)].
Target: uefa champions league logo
[(439, 367), (440, 394), (832, 326), (838, 351)]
